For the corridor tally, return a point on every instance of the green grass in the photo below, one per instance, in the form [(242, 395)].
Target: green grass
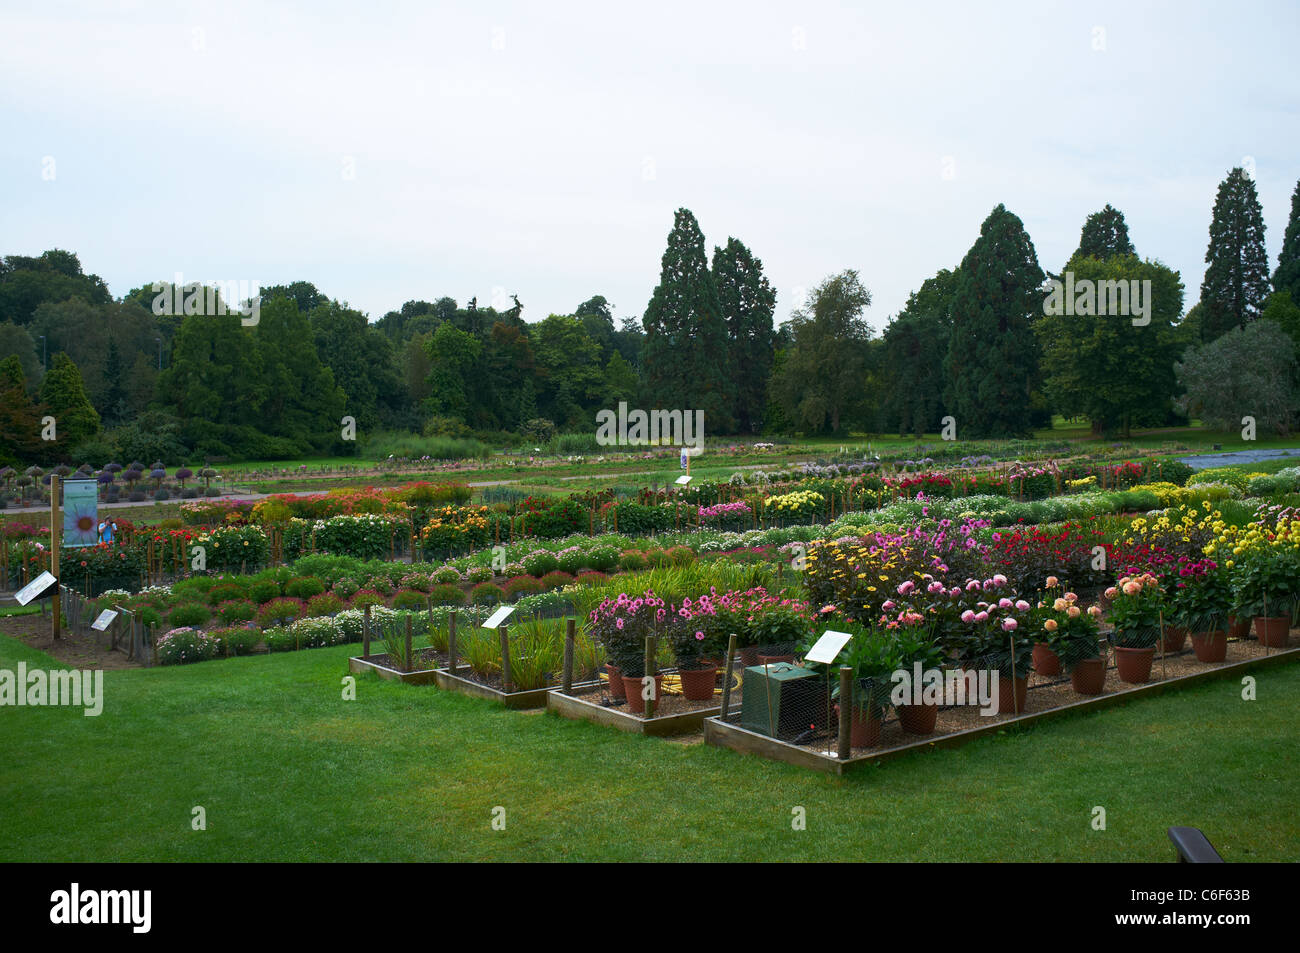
[(287, 770)]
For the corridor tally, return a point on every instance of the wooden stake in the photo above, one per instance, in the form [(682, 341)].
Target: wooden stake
[(566, 684), (451, 641), (650, 668), (726, 681), (409, 664), (846, 712), (505, 658), (365, 632), (56, 533)]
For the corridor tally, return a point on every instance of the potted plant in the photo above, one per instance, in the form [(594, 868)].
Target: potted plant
[(1136, 607), (622, 626), (1266, 578), (1071, 633), (776, 631), (913, 647), (693, 636), (874, 659), (990, 638), (1200, 600)]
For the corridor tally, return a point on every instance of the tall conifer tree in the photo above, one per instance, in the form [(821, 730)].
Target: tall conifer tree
[(992, 360), (1236, 281)]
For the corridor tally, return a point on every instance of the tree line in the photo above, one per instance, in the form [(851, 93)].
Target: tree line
[(972, 343)]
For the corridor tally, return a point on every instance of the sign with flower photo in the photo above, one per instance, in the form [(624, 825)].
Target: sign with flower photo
[(80, 513)]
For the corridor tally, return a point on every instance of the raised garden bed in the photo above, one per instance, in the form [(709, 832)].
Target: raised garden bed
[(424, 672), (467, 682), (674, 715), (1046, 698)]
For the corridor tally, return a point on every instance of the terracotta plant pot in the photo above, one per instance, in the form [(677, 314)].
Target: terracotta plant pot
[(1134, 665), (632, 687), (1272, 630), (1046, 662), (1089, 676), (1210, 646), (749, 655), (1175, 638), (1008, 703), (774, 659), (864, 729), (615, 681), (698, 683), (918, 719), (1238, 628)]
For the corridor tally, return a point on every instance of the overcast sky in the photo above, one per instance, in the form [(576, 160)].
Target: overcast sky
[(392, 151)]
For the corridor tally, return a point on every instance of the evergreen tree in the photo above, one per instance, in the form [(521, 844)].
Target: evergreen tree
[(685, 332), (992, 363), (116, 406), (620, 381), (915, 347), (1287, 276), (1105, 234), (301, 403), (20, 420), (1236, 281), (747, 302), (64, 395)]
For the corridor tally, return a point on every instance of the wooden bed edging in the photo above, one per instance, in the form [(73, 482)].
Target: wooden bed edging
[(724, 735), (572, 706), (358, 665), (532, 698)]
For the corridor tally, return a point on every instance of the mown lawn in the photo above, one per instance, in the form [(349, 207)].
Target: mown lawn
[(287, 770)]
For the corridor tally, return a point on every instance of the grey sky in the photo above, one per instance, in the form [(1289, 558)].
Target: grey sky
[(540, 149)]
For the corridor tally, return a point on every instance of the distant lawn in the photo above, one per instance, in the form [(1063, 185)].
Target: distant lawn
[(286, 770)]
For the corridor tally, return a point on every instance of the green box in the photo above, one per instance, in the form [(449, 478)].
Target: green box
[(783, 700)]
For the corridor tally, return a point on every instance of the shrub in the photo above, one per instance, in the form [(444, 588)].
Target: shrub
[(326, 603), (279, 611), (555, 580), (263, 591), (514, 569), (447, 595), (211, 492), (680, 555), (409, 599), (380, 583), (235, 641), (224, 592), (304, 587), (366, 597), (486, 593), (279, 639), (235, 611), (194, 586), (161, 496), (416, 581), (189, 493), (345, 588), (522, 585), (602, 558), (446, 575), (184, 645), (478, 574), (315, 633), (591, 578), (540, 562), (188, 614), (571, 560), (631, 560)]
